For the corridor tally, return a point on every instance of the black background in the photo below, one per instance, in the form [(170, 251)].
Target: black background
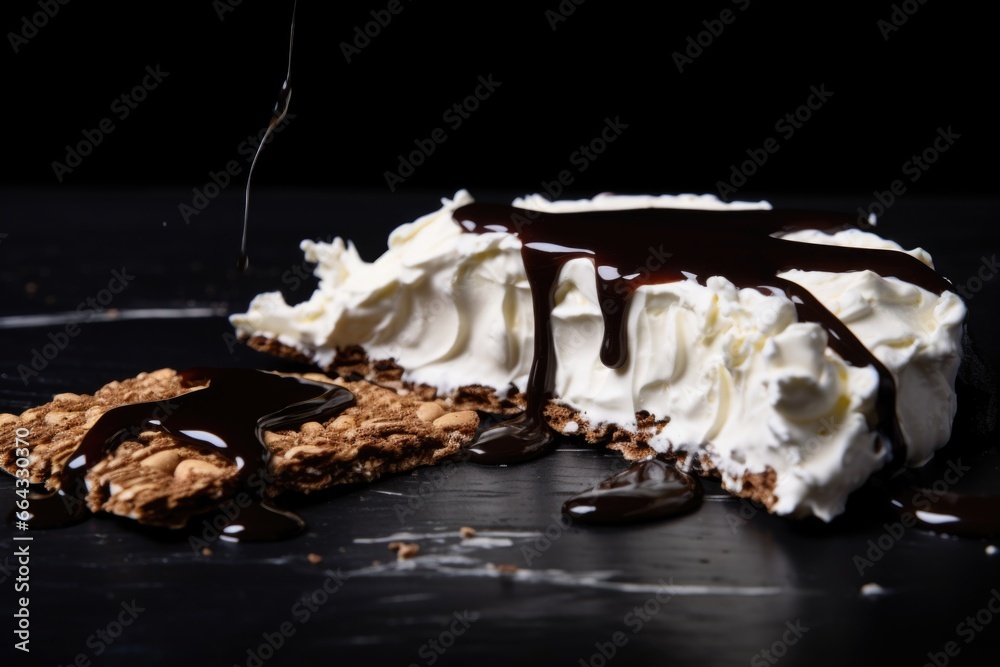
[(352, 120), (120, 208)]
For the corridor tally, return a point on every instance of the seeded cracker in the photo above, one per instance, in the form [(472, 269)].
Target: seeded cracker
[(159, 480)]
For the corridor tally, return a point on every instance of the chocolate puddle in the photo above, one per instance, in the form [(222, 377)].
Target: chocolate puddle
[(230, 415), (669, 245), (650, 489), (951, 513)]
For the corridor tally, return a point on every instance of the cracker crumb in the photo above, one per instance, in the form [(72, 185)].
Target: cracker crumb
[(404, 550), (872, 589), (466, 531), (205, 551), (314, 559), (506, 568)]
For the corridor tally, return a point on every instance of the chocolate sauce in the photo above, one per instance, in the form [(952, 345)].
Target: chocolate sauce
[(651, 489), (668, 245), (277, 117), (229, 416), (950, 513), (630, 248)]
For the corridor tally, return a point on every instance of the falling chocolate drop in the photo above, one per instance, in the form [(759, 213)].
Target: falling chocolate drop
[(277, 117)]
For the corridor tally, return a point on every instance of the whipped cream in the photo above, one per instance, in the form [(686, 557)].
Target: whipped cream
[(743, 383)]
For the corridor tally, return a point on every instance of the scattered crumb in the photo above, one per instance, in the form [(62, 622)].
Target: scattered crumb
[(404, 550), (991, 550), (205, 551), (408, 551), (314, 559), (342, 550), (872, 589), (465, 531), (30, 288), (506, 568)]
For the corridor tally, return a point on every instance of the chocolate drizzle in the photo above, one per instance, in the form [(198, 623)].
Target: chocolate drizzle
[(633, 247), (669, 245), (229, 416), (277, 117)]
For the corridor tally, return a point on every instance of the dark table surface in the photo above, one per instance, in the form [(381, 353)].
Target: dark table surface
[(719, 586)]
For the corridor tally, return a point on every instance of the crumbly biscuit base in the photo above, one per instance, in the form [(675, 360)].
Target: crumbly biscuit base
[(632, 444)]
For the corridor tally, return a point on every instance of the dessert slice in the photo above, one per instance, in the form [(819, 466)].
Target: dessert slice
[(162, 457), (789, 359)]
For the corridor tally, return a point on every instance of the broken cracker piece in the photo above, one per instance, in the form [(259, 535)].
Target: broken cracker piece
[(160, 480)]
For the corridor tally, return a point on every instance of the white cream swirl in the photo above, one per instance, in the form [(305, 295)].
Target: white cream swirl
[(739, 378)]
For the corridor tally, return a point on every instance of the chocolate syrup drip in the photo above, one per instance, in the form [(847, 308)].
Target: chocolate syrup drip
[(847, 345), (230, 416), (277, 117), (647, 246), (668, 245), (651, 489)]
